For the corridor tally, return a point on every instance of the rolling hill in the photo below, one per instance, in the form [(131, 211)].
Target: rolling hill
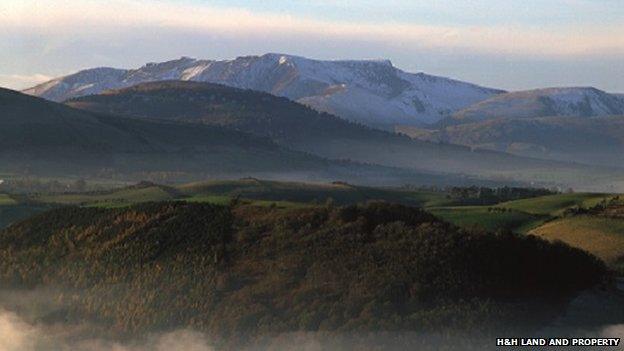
[(589, 221), (253, 190), (457, 201), (542, 123), (595, 226), (45, 138), (295, 126), (602, 236), (369, 91), (574, 102), (519, 216), (555, 138), (244, 273), (250, 111)]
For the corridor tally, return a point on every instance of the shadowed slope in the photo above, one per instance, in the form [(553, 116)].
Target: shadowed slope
[(298, 127)]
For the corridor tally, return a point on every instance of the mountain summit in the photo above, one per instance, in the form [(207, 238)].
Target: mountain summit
[(372, 92)]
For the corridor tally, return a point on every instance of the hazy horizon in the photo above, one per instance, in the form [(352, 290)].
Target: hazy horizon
[(511, 44)]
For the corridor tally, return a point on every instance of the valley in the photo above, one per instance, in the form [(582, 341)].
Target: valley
[(46, 139), (300, 128), (242, 260), (557, 216), (278, 202)]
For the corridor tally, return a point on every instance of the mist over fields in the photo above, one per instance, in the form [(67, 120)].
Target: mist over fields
[(310, 175)]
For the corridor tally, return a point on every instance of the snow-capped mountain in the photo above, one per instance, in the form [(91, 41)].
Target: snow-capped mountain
[(373, 92), (549, 102)]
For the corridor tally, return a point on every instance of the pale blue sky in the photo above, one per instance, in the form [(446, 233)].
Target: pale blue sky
[(510, 44), (445, 12)]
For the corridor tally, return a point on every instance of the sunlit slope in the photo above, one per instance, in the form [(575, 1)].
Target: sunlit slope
[(603, 237), (519, 215), (554, 204)]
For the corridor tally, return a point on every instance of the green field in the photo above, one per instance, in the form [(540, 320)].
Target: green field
[(224, 200), (6, 200), (603, 237), (480, 216), (554, 204), (542, 216), (519, 216), (118, 198), (260, 192), (295, 192)]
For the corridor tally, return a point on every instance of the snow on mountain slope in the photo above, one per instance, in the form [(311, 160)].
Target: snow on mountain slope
[(573, 102), (87, 82), (373, 92)]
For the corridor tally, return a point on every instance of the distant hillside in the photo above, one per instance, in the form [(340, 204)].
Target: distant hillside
[(252, 190), (251, 111), (574, 102), (373, 92), (596, 140), (42, 137), (244, 272), (581, 125), (295, 126)]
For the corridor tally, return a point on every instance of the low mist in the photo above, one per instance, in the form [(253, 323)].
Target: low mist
[(18, 335)]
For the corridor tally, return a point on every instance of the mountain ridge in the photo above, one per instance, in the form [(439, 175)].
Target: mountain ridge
[(373, 92), (300, 128), (41, 137), (555, 138), (545, 102)]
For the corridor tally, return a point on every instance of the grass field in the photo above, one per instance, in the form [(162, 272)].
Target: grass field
[(520, 216), (603, 237), (319, 193), (6, 200), (554, 204), (541, 216), (479, 216), (260, 192), (122, 197)]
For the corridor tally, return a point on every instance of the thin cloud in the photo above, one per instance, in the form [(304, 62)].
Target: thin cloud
[(23, 81), (66, 16)]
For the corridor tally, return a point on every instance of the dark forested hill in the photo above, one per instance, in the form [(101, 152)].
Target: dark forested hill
[(244, 271), (37, 133), (213, 104), (296, 126), (46, 138)]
